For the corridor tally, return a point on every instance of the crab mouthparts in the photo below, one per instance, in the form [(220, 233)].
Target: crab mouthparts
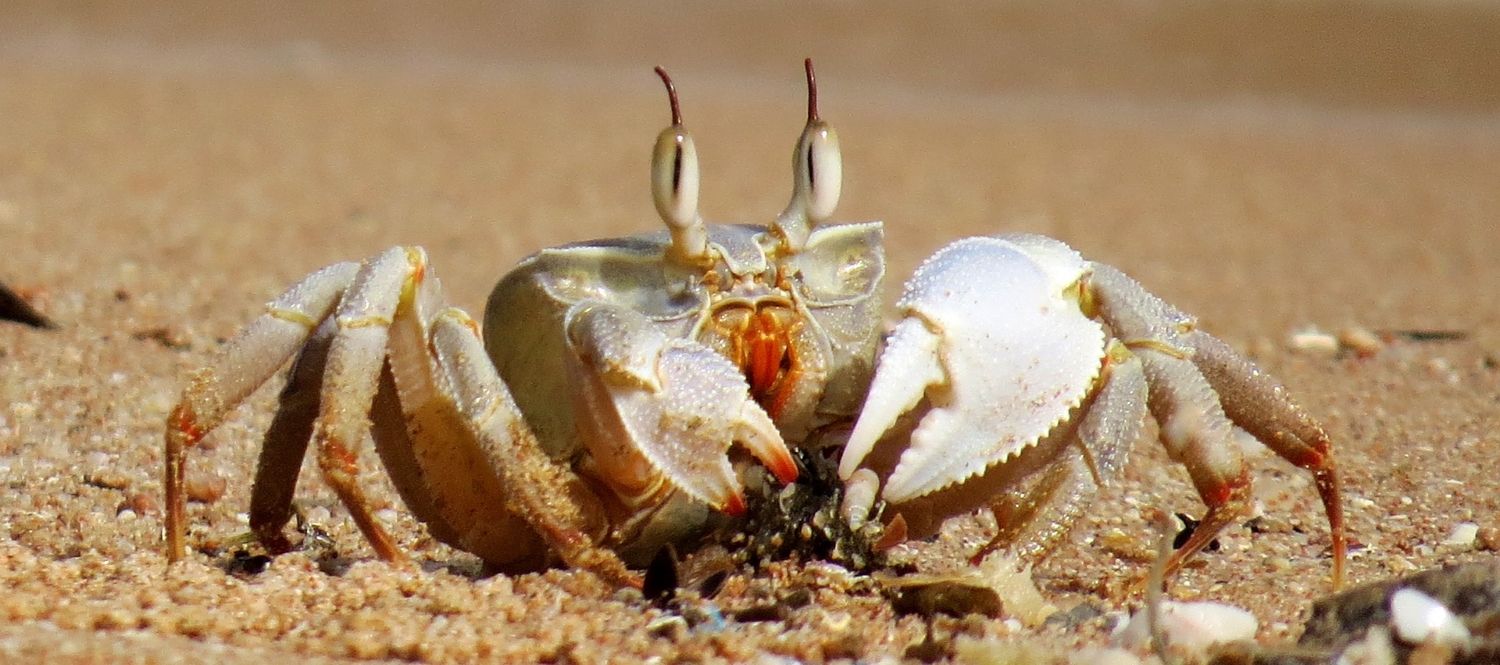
[(764, 352)]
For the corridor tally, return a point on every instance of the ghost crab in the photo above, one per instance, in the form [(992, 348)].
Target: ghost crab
[(594, 421)]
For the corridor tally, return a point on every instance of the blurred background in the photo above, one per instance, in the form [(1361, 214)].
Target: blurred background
[(1440, 55), (1206, 147)]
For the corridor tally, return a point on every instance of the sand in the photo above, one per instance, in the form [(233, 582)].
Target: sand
[(167, 170)]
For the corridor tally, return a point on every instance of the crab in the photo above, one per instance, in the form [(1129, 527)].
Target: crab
[(618, 388)]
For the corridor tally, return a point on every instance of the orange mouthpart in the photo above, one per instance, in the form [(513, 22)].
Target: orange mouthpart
[(767, 357)]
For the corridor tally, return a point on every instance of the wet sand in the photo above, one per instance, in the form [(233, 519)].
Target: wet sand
[(169, 170)]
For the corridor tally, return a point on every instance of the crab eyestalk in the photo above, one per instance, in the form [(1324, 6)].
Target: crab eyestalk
[(817, 175), (674, 184)]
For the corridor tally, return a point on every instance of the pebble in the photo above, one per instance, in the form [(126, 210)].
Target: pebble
[(139, 503), (1398, 565), (1418, 618), (1113, 656), (1489, 538), (204, 486), (108, 479)]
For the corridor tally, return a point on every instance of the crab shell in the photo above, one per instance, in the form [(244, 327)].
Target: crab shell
[(812, 318)]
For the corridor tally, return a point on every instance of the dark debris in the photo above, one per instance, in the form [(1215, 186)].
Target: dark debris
[(802, 521), (15, 308)]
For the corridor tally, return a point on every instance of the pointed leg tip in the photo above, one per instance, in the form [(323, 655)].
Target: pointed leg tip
[(735, 505), (1340, 566), (785, 469)]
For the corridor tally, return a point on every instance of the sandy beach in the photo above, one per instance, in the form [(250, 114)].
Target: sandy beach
[(166, 170)]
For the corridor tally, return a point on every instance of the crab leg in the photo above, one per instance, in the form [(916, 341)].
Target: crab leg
[(432, 451), (355, 358), (1186, 368), (389, 302), (1032, 523), (1261, 406), (285, 443), (246, 363), (546, 495), (1199, 436), (286, 440)]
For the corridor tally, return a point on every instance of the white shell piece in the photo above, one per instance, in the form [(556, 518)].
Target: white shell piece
[(860, 490), (1016, 352), (1463, 535), (1374, 649), (1418, 617), (1189, 627)]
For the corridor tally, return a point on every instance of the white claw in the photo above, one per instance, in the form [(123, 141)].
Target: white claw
[(995, 339), (675, 403), (908, 368)]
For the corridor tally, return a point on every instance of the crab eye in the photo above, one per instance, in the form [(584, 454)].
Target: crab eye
[(674, 184), (817, 175), (820, 170), (674, 177)]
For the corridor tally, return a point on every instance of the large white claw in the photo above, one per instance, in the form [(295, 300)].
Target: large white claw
[(994, 338), (674, 405)]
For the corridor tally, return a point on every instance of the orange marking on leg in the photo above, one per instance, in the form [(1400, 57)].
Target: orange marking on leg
[(185, 422), (183, 432), (418, 264)]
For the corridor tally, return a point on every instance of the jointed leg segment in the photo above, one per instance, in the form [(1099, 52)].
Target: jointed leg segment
[(457, 449), (1200, 391), (246, 363)]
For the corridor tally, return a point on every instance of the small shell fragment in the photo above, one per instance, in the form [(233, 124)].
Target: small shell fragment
[(1463, 535), (1418, 617), (1314, 341), (1374, 649), (1189, 627), (1361, 341), (1012, 582)]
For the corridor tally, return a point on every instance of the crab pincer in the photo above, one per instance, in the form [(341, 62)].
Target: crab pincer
[(659, 413), (1028, 371)]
